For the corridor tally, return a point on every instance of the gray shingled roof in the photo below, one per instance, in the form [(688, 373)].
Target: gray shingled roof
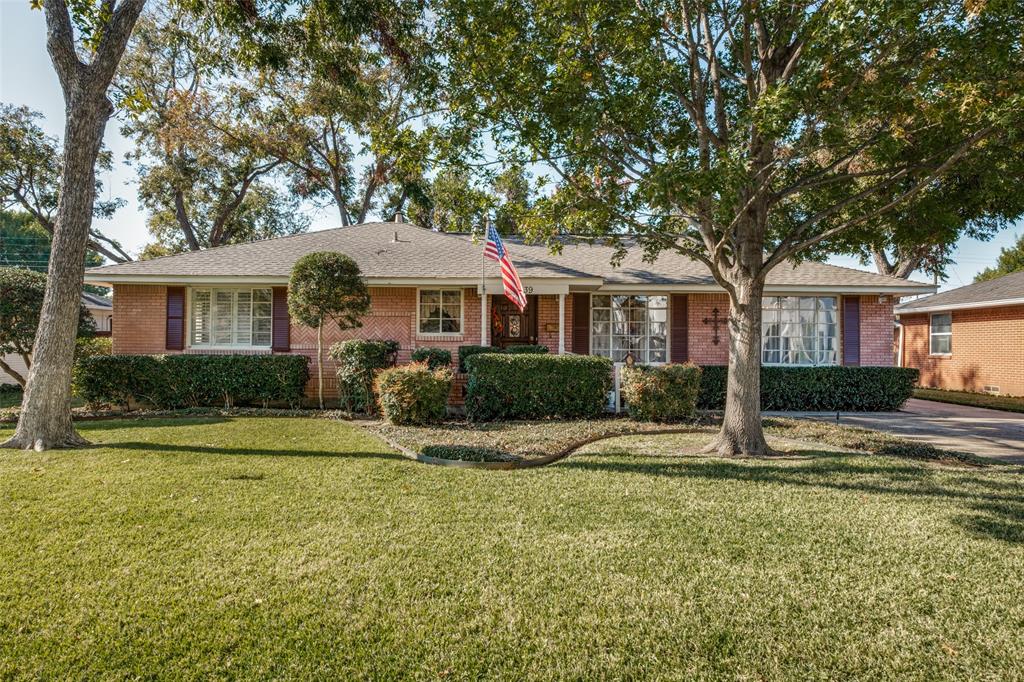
[(978, 295), (94, 301), (419, 253)]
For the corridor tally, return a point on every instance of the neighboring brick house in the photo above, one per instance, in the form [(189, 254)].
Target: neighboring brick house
[(968, 339), (435, 289)]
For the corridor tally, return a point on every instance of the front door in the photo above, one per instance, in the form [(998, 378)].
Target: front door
[(509, 327)]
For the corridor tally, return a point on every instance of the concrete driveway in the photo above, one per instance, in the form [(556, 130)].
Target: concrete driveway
[(987, 433)]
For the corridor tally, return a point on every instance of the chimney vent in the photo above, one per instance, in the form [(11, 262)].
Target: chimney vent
[(399, 217)]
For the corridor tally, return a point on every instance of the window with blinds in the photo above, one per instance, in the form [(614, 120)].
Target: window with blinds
[(231, 317)]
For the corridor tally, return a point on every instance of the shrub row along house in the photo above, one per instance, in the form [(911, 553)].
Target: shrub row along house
[(433, 289), (968, 339)]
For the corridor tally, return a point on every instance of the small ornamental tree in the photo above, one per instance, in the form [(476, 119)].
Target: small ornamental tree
[(21, 299), (327, 286)]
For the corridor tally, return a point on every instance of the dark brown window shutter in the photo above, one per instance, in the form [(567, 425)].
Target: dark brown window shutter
[(281, 340), (581, 324), (851, 330), (175, 318), (679, 348)]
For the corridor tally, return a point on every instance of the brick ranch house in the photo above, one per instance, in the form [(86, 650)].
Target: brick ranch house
[(968, 339), (432, 289)]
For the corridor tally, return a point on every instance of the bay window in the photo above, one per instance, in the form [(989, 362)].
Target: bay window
[(440, 311), (799, 330), (231, 317), (624, 324)]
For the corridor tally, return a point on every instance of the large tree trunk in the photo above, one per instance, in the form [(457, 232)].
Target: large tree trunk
[(45, 420), (741, 432)]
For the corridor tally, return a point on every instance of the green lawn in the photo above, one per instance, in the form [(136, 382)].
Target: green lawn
[(300, 548), (993, 402)]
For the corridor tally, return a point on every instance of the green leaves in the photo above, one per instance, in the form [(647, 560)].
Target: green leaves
[(21, 300), (327, 286)]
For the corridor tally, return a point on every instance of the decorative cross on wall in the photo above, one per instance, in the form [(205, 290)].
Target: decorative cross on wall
[(714, 321)]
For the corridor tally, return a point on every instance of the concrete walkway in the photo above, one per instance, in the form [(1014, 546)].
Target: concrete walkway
[(986, 433)]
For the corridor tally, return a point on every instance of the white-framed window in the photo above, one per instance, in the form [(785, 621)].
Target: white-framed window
[(231, 317), (439, 311), (940, 334), (800, 330), (623, 324)]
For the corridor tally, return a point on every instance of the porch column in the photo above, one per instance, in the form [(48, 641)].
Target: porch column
[(561, 324), (483, 316)]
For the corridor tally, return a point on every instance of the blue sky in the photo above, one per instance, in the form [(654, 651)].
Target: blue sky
[(27, 78)]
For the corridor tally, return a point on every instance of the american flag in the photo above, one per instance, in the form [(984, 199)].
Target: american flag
[(495, 250)]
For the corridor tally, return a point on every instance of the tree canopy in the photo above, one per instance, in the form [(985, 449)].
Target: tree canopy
[(21, 299), (1011, 259), (327, 286), (30, 177), (744, 135)]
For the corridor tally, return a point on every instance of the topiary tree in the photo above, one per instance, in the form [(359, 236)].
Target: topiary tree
[(327, 286), (21, 300)]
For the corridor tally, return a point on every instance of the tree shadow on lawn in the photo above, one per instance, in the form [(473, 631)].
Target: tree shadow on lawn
[(257, 452), (115, 423), (990, 514)]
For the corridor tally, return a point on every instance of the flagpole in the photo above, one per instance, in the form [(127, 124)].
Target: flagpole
[(484, 340)]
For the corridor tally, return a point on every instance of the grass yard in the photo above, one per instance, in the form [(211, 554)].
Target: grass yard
[(301, 548), (992, 402)]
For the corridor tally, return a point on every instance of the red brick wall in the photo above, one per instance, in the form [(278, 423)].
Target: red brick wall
[(140, 314), (876, 323), (547, 313), (988, 350), (392, 316), (140, 327), (703, 350)]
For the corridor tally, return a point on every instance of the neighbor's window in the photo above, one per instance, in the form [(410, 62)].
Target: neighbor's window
[(231, 317), (799, 330), (440, 311), (941, 334), (629, 324)]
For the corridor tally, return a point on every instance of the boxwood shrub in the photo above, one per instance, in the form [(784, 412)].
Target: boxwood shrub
[(436, 358), (528, 349), (826, 389), (664, 393), (358, 362), (413, 394), (529, 386), (176, 381), (466, 352)]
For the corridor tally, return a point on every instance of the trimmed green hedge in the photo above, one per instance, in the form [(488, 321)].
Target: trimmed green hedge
[(413, 394), (528, 386), (818, 389), (665, 393), (176, 381), (527, 349), (436, 358), (466, 352)]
